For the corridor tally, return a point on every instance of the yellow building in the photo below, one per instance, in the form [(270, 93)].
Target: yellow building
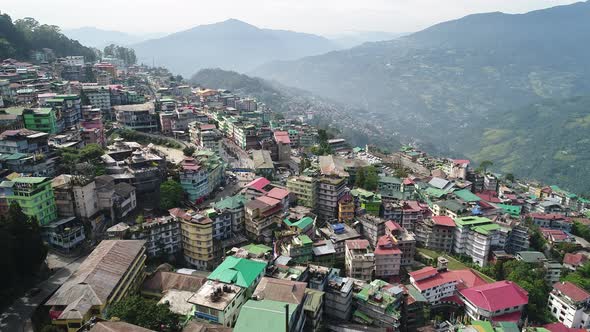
[(346, 209), (113, 270), (197, 238), (305, 189)]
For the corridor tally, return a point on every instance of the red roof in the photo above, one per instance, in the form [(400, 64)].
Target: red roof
[(282, 137), (559, 327), (464, 278), (572, 291), (496, 296), (443, 221), (461, 161), (268, 200), (408, 181), (357, 244), (548, 216), (258, 184), (392, 225), (511, 317), (489, 196), (278, 193), (207, 126), (574, 259), (423, 273), (385, 246)]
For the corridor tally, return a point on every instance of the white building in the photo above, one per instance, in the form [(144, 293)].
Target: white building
[(474, 237), (570, 305), (74, 60)]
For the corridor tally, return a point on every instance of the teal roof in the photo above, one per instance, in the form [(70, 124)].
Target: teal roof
[(32, 180), (232, 202), (486, 229), (507, 327), (239, 271), (435, 192), (264, 315), (305, 239), (467, 195), (472, 221), (257, 249), (302, 223), (14, 156), (512, 210)]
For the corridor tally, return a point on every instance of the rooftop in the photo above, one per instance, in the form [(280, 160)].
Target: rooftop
[(265, 315), (572, 291), (239, 271), (496, 296), (464, 278), (443, 221), (216, 295), (280, 290)]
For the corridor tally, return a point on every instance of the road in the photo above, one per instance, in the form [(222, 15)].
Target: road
[(16, 318)]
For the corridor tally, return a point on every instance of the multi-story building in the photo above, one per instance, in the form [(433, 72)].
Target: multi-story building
[(140, 117), (474, 237), (330, 190), (64, 234), (23, 141), (440, 286), (498, 301), (436, 233), (92, 129), (42, 119), (389, 186), (75, 196), (372, 228), (162, 235), (338, 296), (359, 259), (299, 248), (206, 136), (405, 241), (518, 239), (98, 96), (68, 106), (35, 197), (570, 305), (259, 216), (305, 190), (112, 271), (314, 309), (388, 258), (215, 167), (338, 234), (367, 201), (234, 206), (193, 179), (379, 303), (197, 238), (346, 209), (552, 221)]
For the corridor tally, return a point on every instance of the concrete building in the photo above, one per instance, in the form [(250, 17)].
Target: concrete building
[(197, 238), (330, 190), (380, 304), (389, 186), (141, 117), (42, 119), (100, 97), (314, 309), (23, 141), (69, 108), (404, 240), (436, 233), (162, 235), (112, 271), (338, 296), (194, 180), (64, 235), (346, 209), (441, 286), (305, 190), (387, 258), (35, 197), (359, 259), (498, 301), (338, 234), (474, 236), (570, 305)]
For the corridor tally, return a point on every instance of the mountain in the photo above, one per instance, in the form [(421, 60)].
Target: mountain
[(355, 38), (100, 38), (297, 102), (231, 44), (547, 140), (18, 39), (443, 85)]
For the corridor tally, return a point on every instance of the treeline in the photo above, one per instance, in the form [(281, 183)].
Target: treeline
[(123, 53), (21, 253), (19, 38)]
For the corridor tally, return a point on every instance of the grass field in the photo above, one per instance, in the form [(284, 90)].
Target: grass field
[(454, 264)]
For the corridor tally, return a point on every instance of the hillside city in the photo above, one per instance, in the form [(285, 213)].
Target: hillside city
[(134, 200)]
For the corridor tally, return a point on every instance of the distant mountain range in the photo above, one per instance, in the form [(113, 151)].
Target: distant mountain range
[(356, 38), (445, 84), (100, 38), (231, 44)]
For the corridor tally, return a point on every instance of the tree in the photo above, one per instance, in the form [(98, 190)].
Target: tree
[(171, 194), (360, 178), (146, 313), (580, 277), (581, 230), (371, 178), (304, 164), (484, 165), (509, 177), (188, 151), (139, 219)]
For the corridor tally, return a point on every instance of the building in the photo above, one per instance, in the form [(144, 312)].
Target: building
[(305, 190), (498, 301), (35, 197), (114, 269), (441, 286), (330, 190), (69, 108), (194, 180), (234, 206), (42, 119), (64, 234), (338, 234), (570, 305), (359, 259), (436, 233), (552, 221), (140, 117), (92, 129), (346, 209), (379, 303), (372, 228), (404, 240), (314, 309), (338, 296), (162, 235), (474, 236), (388, 258), (197, 238), (263, 164), (23, 141), (98, 96), (389, 186), (368, 202), (574, 261), (299, 248)]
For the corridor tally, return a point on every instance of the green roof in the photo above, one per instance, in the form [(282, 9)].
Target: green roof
[(471, 221), (32, 180), (313, 299), (390, 179), (257, 249), (486, 229), (467, 195), (305, 239), (264, 315), (507, 327), (239, 271), (512, 210), (482, 326), (232, 202), (363, 317), (415, 293), (14, 110), (435, 192), (365, 194), (302, 223)]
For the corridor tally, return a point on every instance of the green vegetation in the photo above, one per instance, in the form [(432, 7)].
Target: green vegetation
[(85, 161), (21, 252), (188, 151), (580, 277), (122, 53), (19, 38), (146, 313), (367, 178), (581, 230), (139, 137), (171, 194), (454, 263), (304, 164)]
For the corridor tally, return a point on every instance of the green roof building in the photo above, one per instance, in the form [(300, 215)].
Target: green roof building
[(300, 248), (242, 272), (35, 197), (467, 196), (473, 237), (266, 316), (42, 119), (367, 200)]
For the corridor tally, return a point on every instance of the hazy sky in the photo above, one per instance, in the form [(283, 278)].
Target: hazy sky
[(314, 16)]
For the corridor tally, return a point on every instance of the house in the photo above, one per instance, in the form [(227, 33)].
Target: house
[(338, 297), (574, 261), (359, 259), (498, 301), (570, 305), (314, 309), (388, 258), (436, 233), (114, 269), (379, 303), (441, 286), (552, 221)]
